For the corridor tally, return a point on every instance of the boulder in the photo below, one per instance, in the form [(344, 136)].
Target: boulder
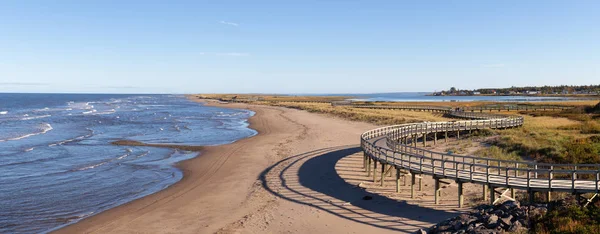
[(421, 231), (509, 205), (444, 228), (492, 221), (499, 213), (506, 223), (516, 226)]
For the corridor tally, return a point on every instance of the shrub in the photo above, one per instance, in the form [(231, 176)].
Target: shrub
[(497, 153), (590, 127)]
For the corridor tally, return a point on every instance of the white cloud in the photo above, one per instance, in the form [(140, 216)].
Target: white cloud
[(229, 23), (494, 65)]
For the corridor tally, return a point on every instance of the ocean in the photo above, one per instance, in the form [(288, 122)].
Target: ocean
[(57, 165)]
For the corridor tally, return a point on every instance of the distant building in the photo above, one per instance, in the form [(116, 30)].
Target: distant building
[(532, 92), (476, 93)]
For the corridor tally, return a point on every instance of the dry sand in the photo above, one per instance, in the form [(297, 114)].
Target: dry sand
[(298, 175)]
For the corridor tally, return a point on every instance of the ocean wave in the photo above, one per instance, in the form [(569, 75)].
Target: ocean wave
[(91, 166), (127, 153), (89, 112), (3, 112), (27, 117), (80, 105), (70, 140), (46, 127), (108, 112)]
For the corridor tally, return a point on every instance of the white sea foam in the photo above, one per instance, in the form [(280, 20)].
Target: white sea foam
[(44, 129), (91, 166), (89, 112), (108, 112), (27, 117), (3, 112), (70, 140)]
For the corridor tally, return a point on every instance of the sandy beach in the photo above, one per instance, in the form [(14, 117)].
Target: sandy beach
[(301, 174)]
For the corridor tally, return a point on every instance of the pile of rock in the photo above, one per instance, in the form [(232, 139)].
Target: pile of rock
[(506, 217)]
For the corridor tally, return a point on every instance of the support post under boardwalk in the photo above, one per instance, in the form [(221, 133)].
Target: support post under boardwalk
[(369, 167), (424, 139), (512, 193), (446, 137), (485, 192), (374, 170), (531, 194), (549, 196), (383, 166), (457, 134), (434, 138), (412, 185), (437, 191), (421, 183), (461, 197), (492, 194), (397, 180), (365, 161)]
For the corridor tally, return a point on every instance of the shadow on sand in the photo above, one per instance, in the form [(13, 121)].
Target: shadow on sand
[(311, 179)]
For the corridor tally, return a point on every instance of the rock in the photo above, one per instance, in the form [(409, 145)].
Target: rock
[(457, 225), (510, 205), (361, 185), (466, 219), (421, 231), (492, 221), (516, 226), (507, 221), (499, 213), (444, 228), (366, 198), (519, 213)]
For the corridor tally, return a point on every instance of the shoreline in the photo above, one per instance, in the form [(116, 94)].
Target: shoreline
[(301, 173), (187, 167)]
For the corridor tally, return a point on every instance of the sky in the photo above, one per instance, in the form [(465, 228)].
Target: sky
[(303, 46)]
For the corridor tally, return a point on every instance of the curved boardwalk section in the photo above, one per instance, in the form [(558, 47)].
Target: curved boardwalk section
[(398, 147)]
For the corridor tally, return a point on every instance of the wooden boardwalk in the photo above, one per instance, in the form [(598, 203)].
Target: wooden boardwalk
[(398, 147)]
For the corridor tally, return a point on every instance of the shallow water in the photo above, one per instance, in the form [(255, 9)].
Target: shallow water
[(57, 165)]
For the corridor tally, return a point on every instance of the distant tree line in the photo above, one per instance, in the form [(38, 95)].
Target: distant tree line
[(528, 90)]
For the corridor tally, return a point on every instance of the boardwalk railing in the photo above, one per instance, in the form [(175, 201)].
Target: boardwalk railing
[(397, 146)]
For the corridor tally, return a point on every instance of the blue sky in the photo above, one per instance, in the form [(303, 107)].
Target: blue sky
[(295, 46)]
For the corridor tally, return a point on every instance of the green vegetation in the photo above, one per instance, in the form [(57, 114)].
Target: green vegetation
[(497, 153), (568, 136), (566, 216), (375, 116)]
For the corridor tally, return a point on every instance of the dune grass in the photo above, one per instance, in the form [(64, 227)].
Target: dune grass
[(375, 116)]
